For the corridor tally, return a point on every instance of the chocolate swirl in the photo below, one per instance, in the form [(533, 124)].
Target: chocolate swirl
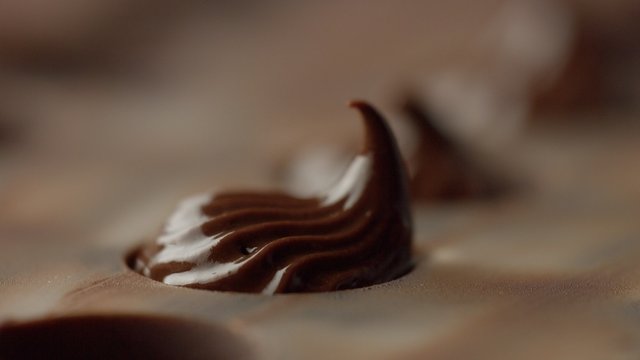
[(356, 234)]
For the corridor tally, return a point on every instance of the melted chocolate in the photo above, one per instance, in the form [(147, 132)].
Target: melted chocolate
[(356, 234), (438, 168), (118, 337)]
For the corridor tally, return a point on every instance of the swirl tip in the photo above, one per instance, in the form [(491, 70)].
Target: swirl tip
[(358, 104)]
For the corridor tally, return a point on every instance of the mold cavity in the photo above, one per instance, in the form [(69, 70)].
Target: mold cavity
[(118, 337)]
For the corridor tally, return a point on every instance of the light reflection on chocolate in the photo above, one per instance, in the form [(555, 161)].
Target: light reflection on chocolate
[(356, 234)]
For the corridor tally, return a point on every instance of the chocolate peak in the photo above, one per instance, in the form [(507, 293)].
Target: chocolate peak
[(439, 169), (358, 233)]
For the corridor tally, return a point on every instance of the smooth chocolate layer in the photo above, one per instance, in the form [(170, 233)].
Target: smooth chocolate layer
[(439, 170), (356, 234)]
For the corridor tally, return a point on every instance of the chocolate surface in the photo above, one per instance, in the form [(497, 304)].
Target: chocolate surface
[(118, 337), (438, 168), (356, 234)]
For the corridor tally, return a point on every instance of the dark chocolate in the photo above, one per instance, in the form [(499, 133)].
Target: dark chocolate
[(118, 337), (354, 235)]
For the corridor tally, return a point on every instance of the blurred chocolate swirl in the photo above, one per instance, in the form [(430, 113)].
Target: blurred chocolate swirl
[(438, 167), (356, 234)]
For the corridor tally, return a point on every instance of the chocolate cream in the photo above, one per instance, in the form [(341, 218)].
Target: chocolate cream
[(356, 234)]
